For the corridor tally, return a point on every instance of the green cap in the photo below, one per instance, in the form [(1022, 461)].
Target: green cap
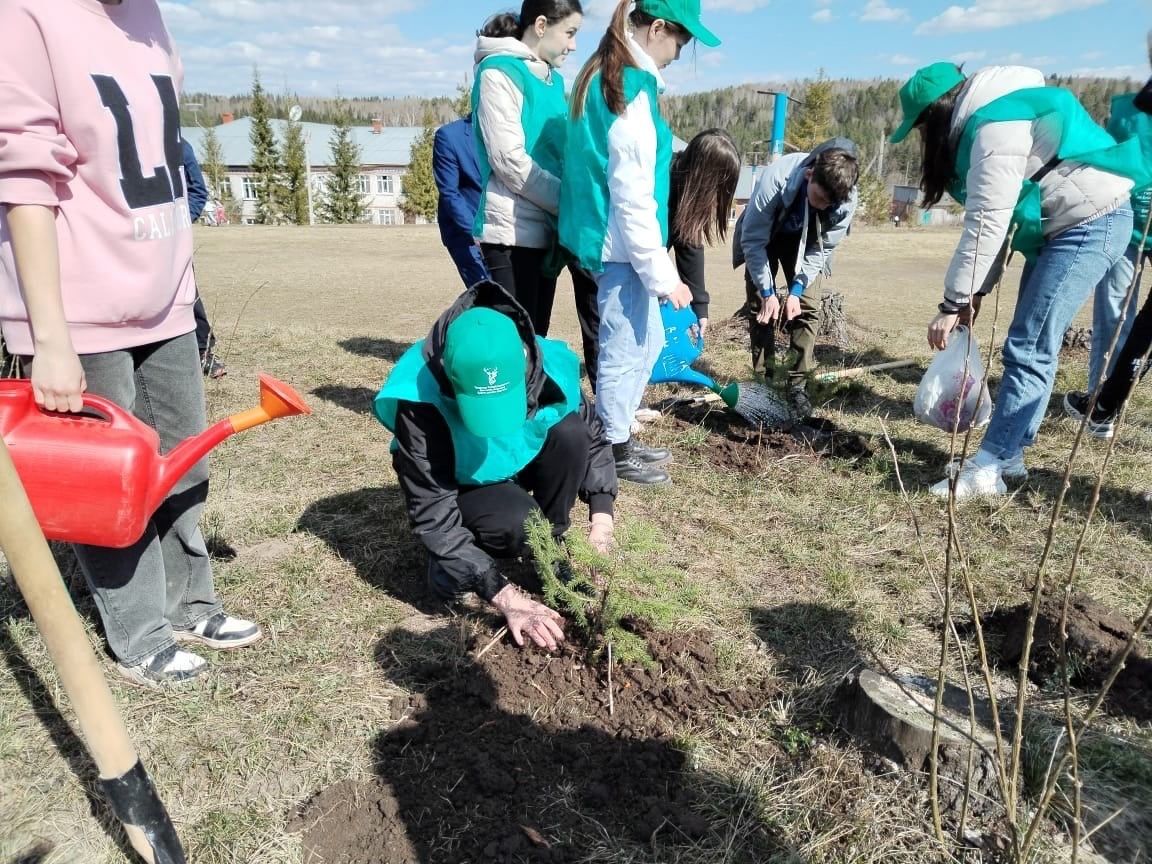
[(686, 13), (484, 360), (921, 90)]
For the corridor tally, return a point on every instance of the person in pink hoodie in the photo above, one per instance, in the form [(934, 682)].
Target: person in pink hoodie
[(96, 289)]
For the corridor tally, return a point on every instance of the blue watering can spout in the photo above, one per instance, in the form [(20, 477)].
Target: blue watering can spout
[(682, 346)]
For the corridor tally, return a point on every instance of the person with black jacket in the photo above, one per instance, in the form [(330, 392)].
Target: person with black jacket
[(197, 198), (491, 427)]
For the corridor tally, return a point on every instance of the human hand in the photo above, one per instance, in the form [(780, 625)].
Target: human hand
[(58, 381), (792, 307), (681, 296), (600, 534), (524, 616), (769, 309), (703, 327), (940, 328)]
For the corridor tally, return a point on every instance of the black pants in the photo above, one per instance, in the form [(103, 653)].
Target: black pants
[(801, 329), (520, 272), (205, 341), (1128, 369), (550, 483), (588, 314)]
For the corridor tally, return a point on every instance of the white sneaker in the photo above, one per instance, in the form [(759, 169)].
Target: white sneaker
[(222, 631), (1011, 468), (167, 668), (980, 476), (647, 415)]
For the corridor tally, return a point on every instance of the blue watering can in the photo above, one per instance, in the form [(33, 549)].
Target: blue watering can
[(683, 345)]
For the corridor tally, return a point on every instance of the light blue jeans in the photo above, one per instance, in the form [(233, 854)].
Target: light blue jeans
[(631, 339), (1107, 310), (1052, 289)]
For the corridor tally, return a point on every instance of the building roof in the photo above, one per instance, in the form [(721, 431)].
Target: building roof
[(392, 146)]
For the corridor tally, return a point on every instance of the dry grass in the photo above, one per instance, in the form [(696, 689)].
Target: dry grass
[(815, 561)]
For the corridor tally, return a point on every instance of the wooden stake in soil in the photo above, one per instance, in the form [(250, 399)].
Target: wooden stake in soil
[(611, 700), (500, 634)]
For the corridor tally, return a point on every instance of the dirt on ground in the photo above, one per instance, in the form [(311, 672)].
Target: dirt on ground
[(511, 756), (735, 446), (1096, 636)]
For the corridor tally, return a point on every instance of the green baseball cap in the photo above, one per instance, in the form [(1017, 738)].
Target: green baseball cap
[(484, 361), (921, 90), (686, 13)]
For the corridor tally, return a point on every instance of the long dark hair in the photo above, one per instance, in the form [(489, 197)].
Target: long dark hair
[(937, 151), (704, 178), (504, 24), (612, 55)]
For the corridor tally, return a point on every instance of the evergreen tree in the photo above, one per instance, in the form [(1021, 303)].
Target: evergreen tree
[(342, 202), (875, 203), (216, 173), (265, 158), (295, 175), (814, 121), (463, 103), (420, 193)]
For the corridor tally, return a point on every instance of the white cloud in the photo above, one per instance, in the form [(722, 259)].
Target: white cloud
[(1092, 55), (1136, 73), (879, 10), (994, 14), (823, 16), (899, 60), (736, 5), (968, 56)]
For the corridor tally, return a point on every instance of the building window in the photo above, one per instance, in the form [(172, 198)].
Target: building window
[(387, 217), (384, 184), (249, 188), (364, 184)]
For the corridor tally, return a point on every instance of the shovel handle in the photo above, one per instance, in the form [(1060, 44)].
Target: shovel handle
[(857, 371)]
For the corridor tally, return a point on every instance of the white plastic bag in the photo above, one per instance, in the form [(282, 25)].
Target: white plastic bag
[(946, 391)]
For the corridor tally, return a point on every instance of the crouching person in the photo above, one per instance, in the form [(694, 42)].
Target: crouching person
[(491, 427)]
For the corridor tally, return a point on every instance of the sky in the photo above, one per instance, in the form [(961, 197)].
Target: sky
[(424, 47)]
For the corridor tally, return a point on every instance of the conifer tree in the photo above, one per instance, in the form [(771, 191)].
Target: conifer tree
[(265, 158), (814, 122), (420, 193), (342, 202), (295, 175), (463, 103), (216, 173)]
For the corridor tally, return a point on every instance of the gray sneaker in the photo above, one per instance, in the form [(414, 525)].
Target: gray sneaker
[(169, 667), (222, 632)]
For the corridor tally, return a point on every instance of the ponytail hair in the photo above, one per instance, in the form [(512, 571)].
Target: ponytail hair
[(508, 24), (612, 56)]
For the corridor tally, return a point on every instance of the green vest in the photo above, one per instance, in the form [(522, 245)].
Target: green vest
[(1128, 122), (1081, 140), (543, 118), (480, 461), (584, 197)]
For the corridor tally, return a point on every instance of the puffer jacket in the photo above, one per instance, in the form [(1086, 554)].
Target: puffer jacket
[(1005, 155), (523, 199)]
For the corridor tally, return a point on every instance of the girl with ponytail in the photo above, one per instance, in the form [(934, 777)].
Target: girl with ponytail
[(614, 208)]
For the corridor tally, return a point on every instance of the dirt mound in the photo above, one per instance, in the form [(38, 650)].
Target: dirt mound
[(736, 446), (1096, 636), (515, 758)]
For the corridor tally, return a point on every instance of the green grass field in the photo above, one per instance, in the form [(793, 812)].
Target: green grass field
[(810, 565)]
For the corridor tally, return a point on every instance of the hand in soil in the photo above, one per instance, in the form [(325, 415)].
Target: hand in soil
[(525, 617)]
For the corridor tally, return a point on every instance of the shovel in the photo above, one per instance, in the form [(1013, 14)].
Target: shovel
[(755, 403), (123, 780)]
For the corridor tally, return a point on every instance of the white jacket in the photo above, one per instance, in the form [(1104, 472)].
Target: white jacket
[(634, 236), (522, 198), (1004, 156)]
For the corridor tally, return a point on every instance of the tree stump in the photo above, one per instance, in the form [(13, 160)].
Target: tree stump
[(892, 716), (833, 321)]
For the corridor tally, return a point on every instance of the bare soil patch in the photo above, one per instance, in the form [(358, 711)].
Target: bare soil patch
[(514, 755)]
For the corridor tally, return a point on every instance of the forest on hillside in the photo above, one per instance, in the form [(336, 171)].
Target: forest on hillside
[(863, 110)]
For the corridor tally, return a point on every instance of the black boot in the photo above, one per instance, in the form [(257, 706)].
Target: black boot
[(632, 468), (655, 456)]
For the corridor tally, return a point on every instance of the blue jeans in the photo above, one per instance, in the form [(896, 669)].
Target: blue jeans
[(1052, 289), (631, 339), (469, 260), (1107, 310), (164, 580)]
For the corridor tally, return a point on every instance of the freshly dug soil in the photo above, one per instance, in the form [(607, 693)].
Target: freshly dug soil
[(1096, 636), (515, 758), (736, 446)]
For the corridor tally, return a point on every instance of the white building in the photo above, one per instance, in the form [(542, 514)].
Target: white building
[(385, 153)]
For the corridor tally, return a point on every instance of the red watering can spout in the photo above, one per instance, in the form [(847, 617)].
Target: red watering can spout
[(277, 399)]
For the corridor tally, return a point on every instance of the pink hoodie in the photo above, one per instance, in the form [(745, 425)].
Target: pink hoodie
[(90, 125)]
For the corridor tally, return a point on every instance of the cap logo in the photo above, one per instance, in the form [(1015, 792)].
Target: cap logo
[(492, 388), (492, 374)]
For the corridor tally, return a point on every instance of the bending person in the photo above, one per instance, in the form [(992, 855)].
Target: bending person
[(490, 427)]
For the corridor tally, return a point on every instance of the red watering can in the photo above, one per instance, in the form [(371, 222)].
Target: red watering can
[(97, 477)]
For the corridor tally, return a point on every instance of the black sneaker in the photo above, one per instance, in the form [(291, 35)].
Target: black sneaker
[(222, 631), (656, 456), (1100, 425), (169, 667), (632, 468), (801, 404), (212, 366)]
